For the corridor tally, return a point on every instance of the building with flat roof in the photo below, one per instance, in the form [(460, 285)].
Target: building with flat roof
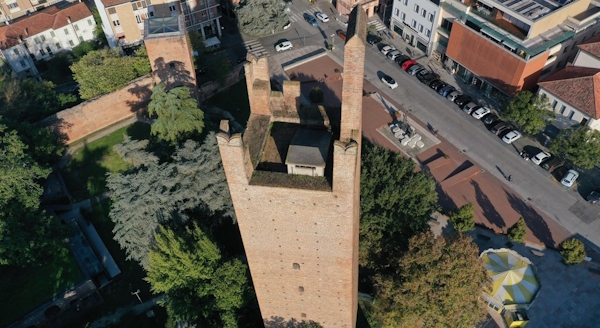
[(415, 21)]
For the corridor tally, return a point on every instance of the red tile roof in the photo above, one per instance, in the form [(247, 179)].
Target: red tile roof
[(592, 46), (49, 18), (110, 3), (578, 86)]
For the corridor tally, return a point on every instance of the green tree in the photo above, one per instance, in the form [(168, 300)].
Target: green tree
[(161, 193), (84, 48), (572, 251), (219, 67), (27, 236), (261, 17), (518, 231), (396, 203), (98, 32), (581, 146), (436, 283), (527, 109), (103, 71), (178, 115), (188, 267), (141, 63), (463, 219)]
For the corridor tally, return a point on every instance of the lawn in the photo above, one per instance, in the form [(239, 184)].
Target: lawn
[(24, 289), (85, 174), (234, 100)]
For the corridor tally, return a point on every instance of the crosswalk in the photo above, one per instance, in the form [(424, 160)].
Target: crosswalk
[(378, 25), (296, 17), (255, 47)]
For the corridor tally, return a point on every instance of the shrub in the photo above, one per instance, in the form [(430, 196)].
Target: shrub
[(463, 219), (316, 95), (572, 251), (518, 231)]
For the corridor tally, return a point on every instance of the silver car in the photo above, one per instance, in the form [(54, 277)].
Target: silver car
[(414, 69), (453, 95)]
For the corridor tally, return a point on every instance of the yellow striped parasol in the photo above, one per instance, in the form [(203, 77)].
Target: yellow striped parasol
[(513, 277)]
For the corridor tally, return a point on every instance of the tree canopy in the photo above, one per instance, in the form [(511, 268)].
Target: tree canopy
[(463, 219), (156, 193), (518, 231), (528, 110), (581, 146), (103, 71), (178, 115), (188, 267), (572, 251), (261, 17), (436, 283), (396, 203)]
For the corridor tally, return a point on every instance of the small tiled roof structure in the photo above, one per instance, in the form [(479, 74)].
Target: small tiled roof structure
[(110, 3), (49, 18), (309, 147), (578, 86), (591, 46)]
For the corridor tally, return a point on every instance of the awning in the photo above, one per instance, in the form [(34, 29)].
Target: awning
[(487, 31)]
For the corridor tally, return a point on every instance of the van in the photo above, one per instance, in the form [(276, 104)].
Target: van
[(553, 163)]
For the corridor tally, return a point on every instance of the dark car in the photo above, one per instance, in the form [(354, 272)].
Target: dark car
[(438, 85), (593, 197), (446, 90), (373, 39), (430, 77), (500, 127), (401, 59), (462, 100), (490, 119), (553, 163), (422, 73), (310, 19)]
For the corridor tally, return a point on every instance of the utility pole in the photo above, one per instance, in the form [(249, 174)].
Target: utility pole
[(137, 293)]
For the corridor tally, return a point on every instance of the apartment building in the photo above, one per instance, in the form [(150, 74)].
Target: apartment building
[(504, 46), (44, 33), (415, 22), (123, 20), (344, 7), (12, 9)]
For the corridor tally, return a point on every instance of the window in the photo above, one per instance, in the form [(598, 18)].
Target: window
[(571, 114), (138, 19), (423, 12), (430, 17), (554, 104), (116, 23), (403, 16), (42, 52), (71, 43), (66, 31), (49, 51), (112, 11), (75, 27), (420, 28), (413, 23), (562, 109), (80, 38), (296, 266), (427, 33), (416, 8), (36, 40), (16, 51), (52, 34), (151, 14), (172, 8), (397, 12), (405, 2), (43, 38), (57, 45), (23, 64), (134, 6), (89, 22), (12, 5)]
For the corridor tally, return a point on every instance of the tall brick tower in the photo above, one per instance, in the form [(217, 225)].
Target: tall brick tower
[(294, 180)]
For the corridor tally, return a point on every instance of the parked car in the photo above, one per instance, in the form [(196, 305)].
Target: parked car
[(540, 157), (422, 73), (287, 25), (415, 69), (310, 19), (341, 34), (569, 179), (387, 49), (453, 95), (593, 197), (437, 84), (500, 127), (389, 81), (401, 59), (511, 136), (480, 112), (283, 45), (470, 107), (462, 100), (491, 119), (322, 17), (393, 54), (552, 164), (373, 39), (446, 90), (407, 64)]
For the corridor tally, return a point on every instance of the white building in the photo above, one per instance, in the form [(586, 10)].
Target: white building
[(43, 34), (589, 53), (415, 21)]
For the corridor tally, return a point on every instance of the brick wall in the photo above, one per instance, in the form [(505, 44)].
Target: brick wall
[(98, 113), (171, 60)]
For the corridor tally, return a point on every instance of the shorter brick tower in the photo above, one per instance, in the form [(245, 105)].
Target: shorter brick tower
[(169, 52), (294, 179)]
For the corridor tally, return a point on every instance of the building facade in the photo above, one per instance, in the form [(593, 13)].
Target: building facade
[(43, 34), (502, 47), (123, 20), (344, 7), (300, 238), (415, 22), (13, 9)]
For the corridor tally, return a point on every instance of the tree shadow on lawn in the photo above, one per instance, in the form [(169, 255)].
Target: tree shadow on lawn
[(535, 222)]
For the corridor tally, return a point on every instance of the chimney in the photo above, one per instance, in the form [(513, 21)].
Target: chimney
[(69, 19)]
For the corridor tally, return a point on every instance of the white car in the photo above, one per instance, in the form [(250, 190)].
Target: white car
[(287, 25), (540, 157), (284, 45), (481, 112), (387, 49), (511, 136), (569, 179), (322, 17), (387, 80)]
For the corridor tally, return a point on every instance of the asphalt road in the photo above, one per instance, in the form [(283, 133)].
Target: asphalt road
[(467, 134)]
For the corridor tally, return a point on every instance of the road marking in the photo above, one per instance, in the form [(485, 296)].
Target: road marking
[(255, 47), (378, 25), (296, 17)]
